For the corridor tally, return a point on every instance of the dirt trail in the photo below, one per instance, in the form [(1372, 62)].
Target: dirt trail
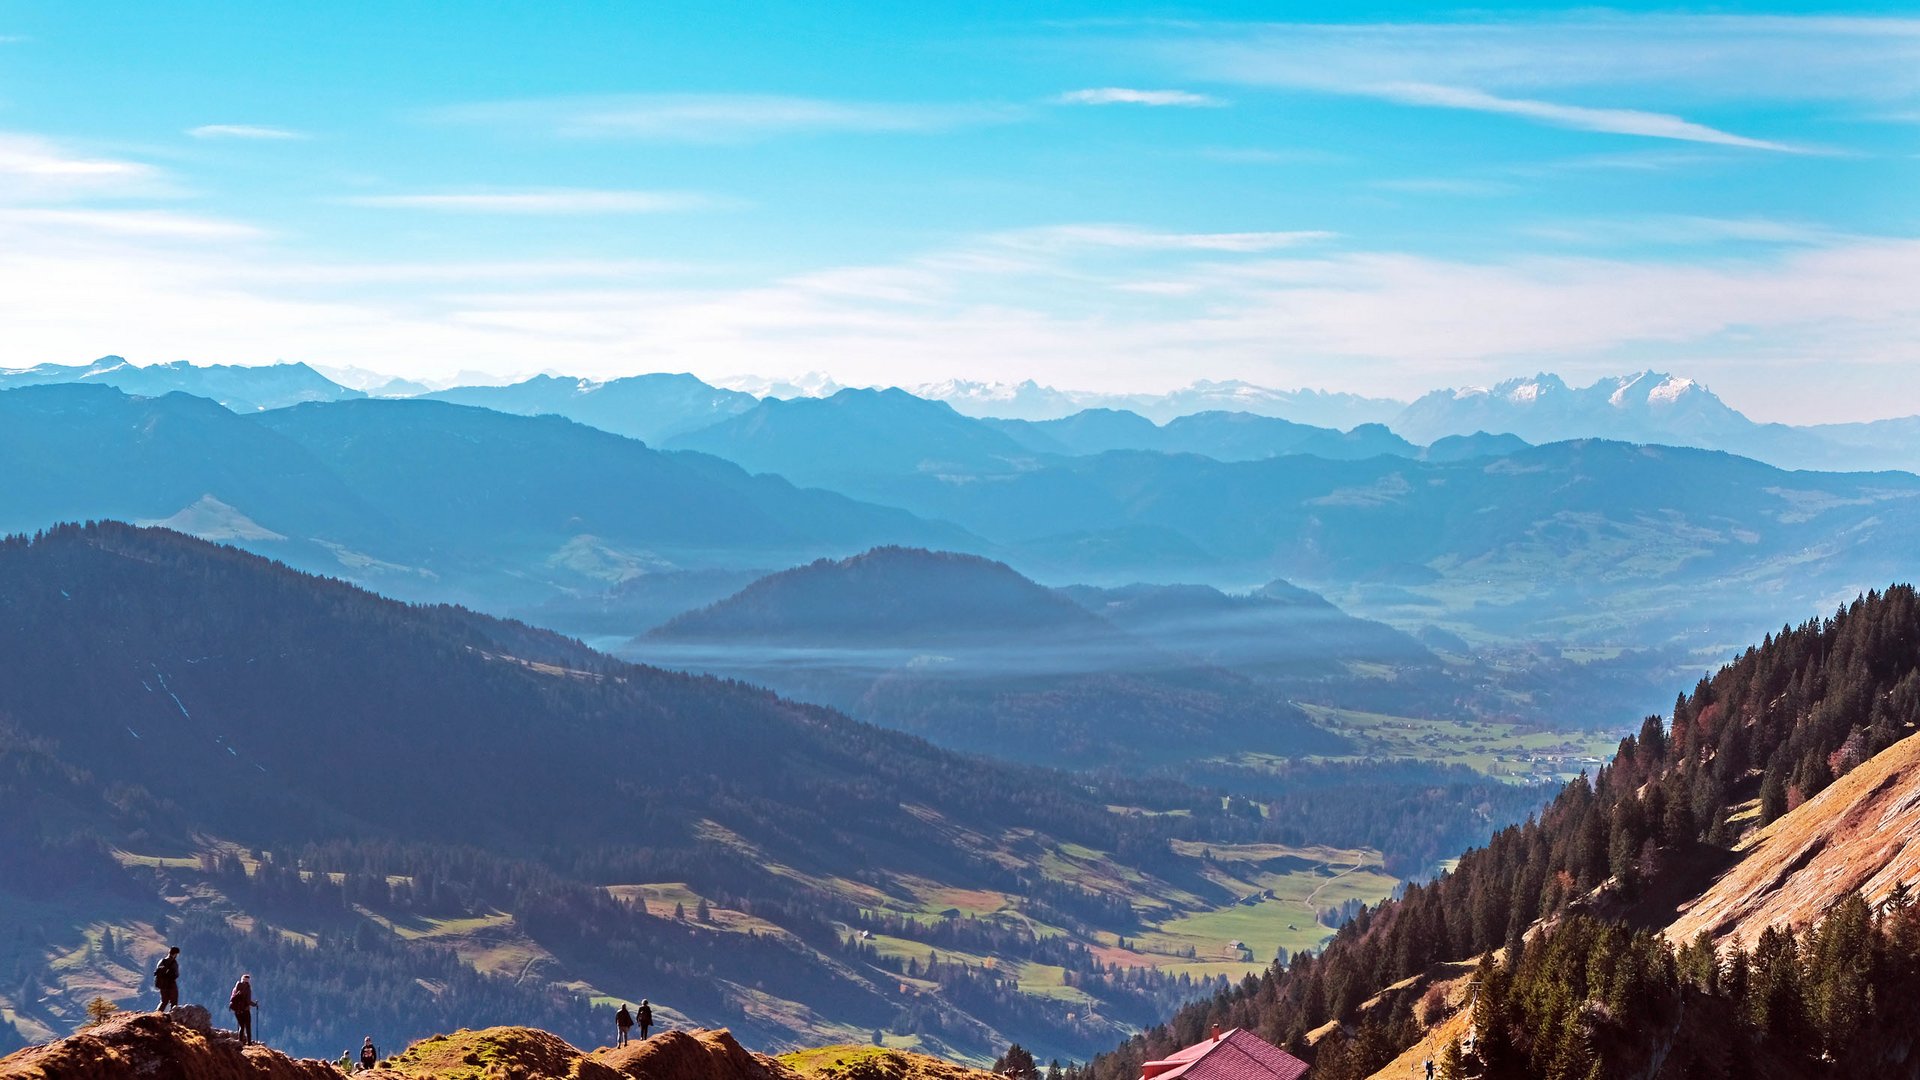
[(1315, 894)]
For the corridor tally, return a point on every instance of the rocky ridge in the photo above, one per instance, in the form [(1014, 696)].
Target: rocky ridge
[(152, 1046)]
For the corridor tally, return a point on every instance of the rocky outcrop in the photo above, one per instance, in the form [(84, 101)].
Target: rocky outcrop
[(150, 1046), (497, 1053), (692, 1055)]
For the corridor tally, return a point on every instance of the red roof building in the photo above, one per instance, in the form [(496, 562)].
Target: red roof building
[(1234, 1055)]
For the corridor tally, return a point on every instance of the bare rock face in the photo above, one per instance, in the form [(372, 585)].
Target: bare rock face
[(193, 1017), (150, 1046)]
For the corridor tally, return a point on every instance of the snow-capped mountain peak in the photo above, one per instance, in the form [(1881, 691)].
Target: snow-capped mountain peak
[(1670, 390), (1645, 406)]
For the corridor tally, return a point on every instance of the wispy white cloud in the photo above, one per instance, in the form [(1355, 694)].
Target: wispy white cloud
[(160, 224), (1575, 71), (34, 168), (243, 131), (468, 272), (716, 118), (1685, 58), (31, 155), (1691, 231), (1119, 95), (1613, 121), (1133, 238), (545, 201), (1107, 306)]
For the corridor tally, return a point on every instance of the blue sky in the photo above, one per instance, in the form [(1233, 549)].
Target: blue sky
[(1377, 198)]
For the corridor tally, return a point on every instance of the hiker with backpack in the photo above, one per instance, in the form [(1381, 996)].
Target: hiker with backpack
[(242, 1004), (644, 1017), (369, 1057), (166, 979), (623, 1020)]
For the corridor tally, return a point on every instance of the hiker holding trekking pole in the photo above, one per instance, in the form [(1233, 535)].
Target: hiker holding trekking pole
[(242, 1004)]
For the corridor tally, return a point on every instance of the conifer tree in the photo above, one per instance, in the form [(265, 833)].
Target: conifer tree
[(1017, 1064)]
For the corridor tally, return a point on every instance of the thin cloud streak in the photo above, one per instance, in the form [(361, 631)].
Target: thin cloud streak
[(1611, 121), (35, 169), (33, 156), (134, 223), (715, 118), (1528, 66), (1127, 237), (1691, 58), (544, 202), (243, 131), (1119, 95)]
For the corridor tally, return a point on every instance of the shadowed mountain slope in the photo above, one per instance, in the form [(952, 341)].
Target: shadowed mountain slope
[(972, 655), (488, 481), (1224, 436), (855, 438), (889, 596), (1599, 540), (420, 498)]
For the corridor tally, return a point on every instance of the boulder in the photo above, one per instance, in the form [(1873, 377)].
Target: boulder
[(193, 1017)]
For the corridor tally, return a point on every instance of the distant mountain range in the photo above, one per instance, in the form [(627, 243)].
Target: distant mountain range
[(1031, 401), (858, 440), (1228, 420), (1654, 407), (1592, 541), (1225, 436), (242, 389), (423, 499), (645, 407), (1481, 535)]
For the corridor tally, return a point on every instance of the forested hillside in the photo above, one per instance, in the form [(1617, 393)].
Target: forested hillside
[(1593, 993)]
